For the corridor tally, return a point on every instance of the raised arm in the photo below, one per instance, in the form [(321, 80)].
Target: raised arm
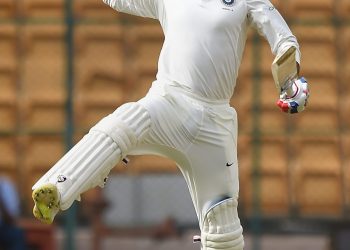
[(268, 21), (143, 8)]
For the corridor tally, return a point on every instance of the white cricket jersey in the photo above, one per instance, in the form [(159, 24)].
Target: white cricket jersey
[(204, 39)]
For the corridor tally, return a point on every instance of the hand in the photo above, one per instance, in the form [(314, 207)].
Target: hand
[(296, 102)]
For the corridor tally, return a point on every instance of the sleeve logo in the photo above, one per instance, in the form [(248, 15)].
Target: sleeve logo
[(228, 2), (61, 178)]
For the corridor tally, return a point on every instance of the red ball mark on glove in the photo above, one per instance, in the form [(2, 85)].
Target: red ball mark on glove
[(284, 106)]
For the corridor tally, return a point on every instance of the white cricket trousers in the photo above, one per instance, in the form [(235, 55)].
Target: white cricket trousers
[(200, 135)]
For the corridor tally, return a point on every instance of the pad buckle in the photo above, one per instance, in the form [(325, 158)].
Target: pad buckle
[(196, 239)]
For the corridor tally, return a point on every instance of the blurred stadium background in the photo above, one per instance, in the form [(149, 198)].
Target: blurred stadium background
[(66, 64)]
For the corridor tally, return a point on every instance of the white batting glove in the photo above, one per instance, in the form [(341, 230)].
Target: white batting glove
[(296, 102)]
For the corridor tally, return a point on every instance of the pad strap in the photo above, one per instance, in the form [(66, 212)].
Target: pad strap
[(126, 126)]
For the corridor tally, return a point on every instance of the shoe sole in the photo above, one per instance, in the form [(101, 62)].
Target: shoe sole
[(46, 199)]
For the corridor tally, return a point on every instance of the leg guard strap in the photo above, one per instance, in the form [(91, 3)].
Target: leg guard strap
[(126, 126)]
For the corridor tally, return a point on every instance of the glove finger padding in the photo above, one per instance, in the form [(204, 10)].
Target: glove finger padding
[(298, 101)]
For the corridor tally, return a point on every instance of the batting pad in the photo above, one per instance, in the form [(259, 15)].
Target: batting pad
[(89, 162), (221, 227), (85, 166)]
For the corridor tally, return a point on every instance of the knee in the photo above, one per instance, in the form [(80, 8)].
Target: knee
[(221, 228), (127, 125)]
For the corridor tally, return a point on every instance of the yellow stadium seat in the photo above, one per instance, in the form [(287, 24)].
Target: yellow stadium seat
[(8, 38), (271, 192), (345, 31), (245, 121), (241, 101), (324, 33), (52, 9), (323, 93), (343, 8), (277, 3), (318, 49), (8, 117), (243, 94), (44, 59), (320, 196), (261, 50), (8, 58), (273, 121), (244, 151), (267, 58), (271, 188), (86, 115), (317, 182), (246, 67), (344, 75), (315, 121), (140, 87), (344, 100), (94, 10), (7, 8), (311, 9), (346, 178), (43, 78), (268, 92), (344, 66), (145, 41), (8, 152), (275, 192), (345, 138), (8, 102), (99, 49), (274, 155), (42, 151), (345, 111), (8, 84), (9, 162), (100, 80), (319, 156), (8, 78)]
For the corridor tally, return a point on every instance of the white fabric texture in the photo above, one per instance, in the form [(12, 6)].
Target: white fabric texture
[(200, 135), (205, 39)]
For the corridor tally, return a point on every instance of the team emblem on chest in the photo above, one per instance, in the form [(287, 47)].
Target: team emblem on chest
[(228, 2)]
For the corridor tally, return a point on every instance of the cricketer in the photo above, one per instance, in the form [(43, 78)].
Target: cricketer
[(186, 115)]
